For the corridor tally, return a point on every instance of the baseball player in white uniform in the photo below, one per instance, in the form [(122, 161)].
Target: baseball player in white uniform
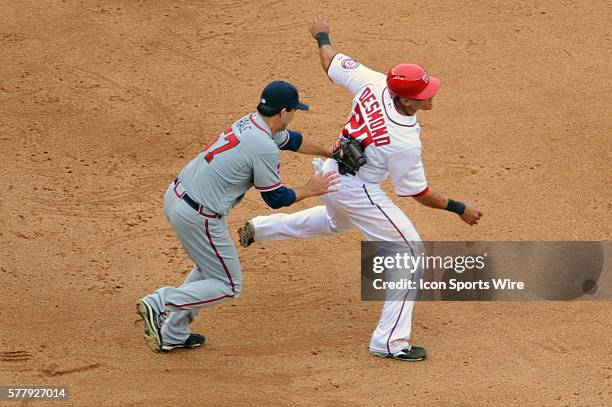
[(383, 119), (197, 202)]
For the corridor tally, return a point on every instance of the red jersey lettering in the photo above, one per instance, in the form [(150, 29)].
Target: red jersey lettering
[(375, 118), (232, 141)]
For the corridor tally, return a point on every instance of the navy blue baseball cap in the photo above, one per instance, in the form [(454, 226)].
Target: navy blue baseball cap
[(281, 94)]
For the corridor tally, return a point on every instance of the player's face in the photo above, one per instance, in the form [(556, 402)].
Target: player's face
[(425, 104), (286, 117)]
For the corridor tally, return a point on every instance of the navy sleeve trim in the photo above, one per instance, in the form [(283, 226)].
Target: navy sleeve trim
[(279, 197), (294, 141)]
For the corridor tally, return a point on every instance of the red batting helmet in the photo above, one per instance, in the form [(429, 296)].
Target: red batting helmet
[(412, 82)]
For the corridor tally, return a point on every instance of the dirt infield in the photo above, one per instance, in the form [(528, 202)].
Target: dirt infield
[(101, 103)]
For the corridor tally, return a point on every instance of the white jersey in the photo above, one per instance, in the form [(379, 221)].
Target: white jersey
[(391, 140)]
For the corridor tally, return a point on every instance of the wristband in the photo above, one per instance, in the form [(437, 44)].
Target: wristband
[(322, 39), (456, 207)]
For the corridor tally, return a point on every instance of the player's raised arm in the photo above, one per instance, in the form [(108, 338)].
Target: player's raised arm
[(319, 29), (340, 68)]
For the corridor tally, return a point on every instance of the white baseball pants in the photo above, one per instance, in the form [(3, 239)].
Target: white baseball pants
[(364, 206)]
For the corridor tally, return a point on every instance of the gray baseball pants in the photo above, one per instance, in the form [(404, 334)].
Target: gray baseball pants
[(215, 277)]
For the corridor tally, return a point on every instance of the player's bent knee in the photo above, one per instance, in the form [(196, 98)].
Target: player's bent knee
[(340, 229)]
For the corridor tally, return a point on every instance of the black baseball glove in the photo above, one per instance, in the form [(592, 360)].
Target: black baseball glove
[(348, 153)]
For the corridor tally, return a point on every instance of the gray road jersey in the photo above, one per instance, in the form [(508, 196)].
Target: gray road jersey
[(243, 156)]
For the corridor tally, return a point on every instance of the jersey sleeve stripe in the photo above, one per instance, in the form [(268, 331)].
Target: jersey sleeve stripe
[(271, 187), (284, 143), (423, 192)]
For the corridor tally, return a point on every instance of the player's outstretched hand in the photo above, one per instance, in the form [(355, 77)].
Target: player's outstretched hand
[(471, 215), (323, 183), (319, 25)]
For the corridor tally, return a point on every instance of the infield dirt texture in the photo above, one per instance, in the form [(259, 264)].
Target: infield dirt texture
[(103, 102)]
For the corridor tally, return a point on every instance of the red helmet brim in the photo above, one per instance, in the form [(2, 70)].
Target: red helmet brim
[(430, 90)]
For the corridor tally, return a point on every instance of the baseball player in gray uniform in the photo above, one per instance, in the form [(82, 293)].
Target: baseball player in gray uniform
[(197, 202)]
